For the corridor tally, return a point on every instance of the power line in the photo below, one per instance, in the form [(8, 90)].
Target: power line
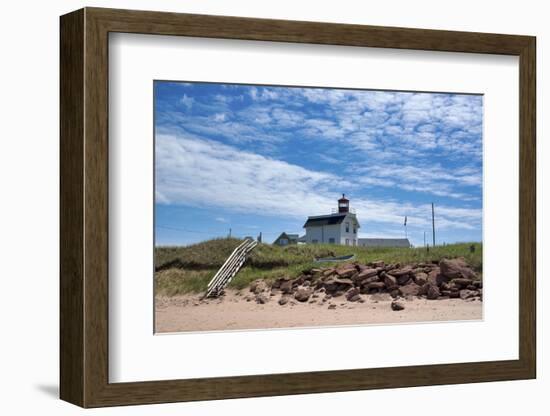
[(184, 230), (211, 233)]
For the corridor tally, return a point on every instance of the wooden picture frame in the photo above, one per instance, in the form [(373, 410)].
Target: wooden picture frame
[(84, 207)]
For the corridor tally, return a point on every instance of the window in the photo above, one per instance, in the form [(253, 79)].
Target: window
[(284, 241), (331, 241), (347, 241), (354, 229), (347, 227)]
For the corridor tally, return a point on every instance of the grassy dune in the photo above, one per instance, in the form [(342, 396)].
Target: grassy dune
[(189, 269)]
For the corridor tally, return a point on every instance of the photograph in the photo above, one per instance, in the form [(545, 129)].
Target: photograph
[(280, 206)]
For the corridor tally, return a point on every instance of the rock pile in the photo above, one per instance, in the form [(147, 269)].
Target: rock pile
[(448, 278)]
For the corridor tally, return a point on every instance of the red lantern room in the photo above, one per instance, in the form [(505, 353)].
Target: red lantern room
[(343, 204)]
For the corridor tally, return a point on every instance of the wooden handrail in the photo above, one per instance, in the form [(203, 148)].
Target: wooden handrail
[(229, 268)]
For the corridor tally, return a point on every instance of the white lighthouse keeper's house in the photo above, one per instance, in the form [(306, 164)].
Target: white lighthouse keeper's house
[(337, 228)]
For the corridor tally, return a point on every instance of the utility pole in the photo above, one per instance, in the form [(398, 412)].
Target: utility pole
[(230, 233), (433, 225), (424, 238)]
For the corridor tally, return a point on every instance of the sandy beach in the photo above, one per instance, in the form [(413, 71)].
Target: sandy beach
[(233, 312)]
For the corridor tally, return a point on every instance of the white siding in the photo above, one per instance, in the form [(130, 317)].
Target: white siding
[(350, 236), (323, 234)]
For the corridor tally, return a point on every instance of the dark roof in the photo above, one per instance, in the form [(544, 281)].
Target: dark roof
[(290, 237), (325, 220), (384, 242)]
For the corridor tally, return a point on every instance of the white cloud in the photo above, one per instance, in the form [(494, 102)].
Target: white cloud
[(226, 99), (400, 139), (449, 123), (368, 120), (192, 171), (264, 94), (287, 118), (430, 179), (220, 117), (187, 101)]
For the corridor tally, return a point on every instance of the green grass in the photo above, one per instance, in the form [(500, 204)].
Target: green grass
[(206, 255), (189, 269), (173, 282)]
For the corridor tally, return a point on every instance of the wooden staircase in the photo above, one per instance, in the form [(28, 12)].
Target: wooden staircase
[(230, 268)]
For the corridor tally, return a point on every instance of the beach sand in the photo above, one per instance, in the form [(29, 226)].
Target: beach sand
[(233, 312)]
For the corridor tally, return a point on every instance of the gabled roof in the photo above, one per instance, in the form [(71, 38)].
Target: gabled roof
[(324, 220), (290, 237), (384, 242), (329, 219)]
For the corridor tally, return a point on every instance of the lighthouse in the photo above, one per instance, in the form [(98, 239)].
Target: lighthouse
[(337, 228), (343, 205)]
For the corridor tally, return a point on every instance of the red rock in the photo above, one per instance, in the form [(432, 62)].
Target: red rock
[(432, 292), (467, 294), (456, 268), (346, 273), (365, 274), (352, 295), (303, 294), (286, 286), (258, 286), (420, 278), (283, 300), (462, 282), (370, 280), (401, 272), (397, 306), (390, 281), (261, 298), (410, 289), (337, 284), (403, 279)]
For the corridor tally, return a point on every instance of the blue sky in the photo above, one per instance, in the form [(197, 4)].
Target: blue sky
[(263, 158)]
